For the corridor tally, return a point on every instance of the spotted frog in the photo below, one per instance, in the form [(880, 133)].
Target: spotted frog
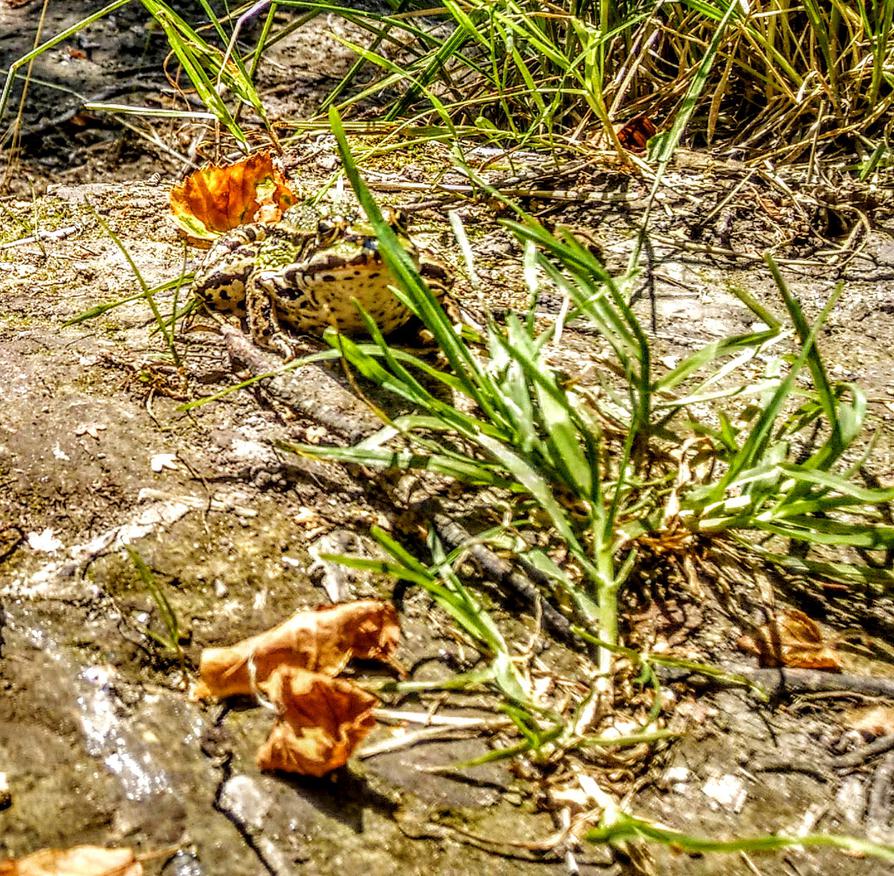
[(282, 275)]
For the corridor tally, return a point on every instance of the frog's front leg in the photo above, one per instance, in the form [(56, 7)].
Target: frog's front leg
[(221, 280), (263, 320)]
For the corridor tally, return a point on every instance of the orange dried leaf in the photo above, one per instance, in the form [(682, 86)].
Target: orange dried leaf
[(77, 861), (791, 639), (635, 134), (321, 721), (323, 640), (215, 199), (872, 721)]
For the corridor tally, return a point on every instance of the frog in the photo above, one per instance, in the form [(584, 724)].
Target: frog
[(284, 275)]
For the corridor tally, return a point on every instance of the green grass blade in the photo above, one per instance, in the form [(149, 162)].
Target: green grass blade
[(465, 471), (627, 828)]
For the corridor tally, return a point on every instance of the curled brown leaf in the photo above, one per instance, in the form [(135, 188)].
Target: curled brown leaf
[(321, 641), (321, 721), (77, 861), (791, 639)]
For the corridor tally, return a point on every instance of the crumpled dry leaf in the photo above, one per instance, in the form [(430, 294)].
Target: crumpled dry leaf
[(872, 721), (635, 133), (77, 861), (791, 639), (321, 641), (321, 721), (216, 199)]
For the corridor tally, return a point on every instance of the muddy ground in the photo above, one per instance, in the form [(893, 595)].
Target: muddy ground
[(99, 741)]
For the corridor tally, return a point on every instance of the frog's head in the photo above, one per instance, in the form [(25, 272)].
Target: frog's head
[(349, 237), (336, 227)]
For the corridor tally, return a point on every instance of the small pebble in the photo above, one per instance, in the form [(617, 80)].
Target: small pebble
[(5, 793)]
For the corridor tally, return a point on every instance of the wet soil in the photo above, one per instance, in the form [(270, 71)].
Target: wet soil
[(97, 456)]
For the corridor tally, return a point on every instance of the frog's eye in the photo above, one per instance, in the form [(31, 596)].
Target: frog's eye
[(328, 230)]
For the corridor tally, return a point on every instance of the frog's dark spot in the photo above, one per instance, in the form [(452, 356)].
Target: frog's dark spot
[(224, 295), (330, 278), (374, 275)]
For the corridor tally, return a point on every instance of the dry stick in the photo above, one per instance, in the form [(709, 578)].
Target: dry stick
[(66, 115), (439, 719), (859, 757), (878, 808), (415, 737), (454, 535), (787, 765), (321, 398), (243, 19), (777, 682), (152, 138), (708, 249), (625, 74), (702, 223), (38, 236), (580, 197)]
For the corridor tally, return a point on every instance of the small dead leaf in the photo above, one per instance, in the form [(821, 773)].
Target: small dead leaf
[(872, 721), (315, 434), (45, 542), (91, 429), (321, 641), (321, 721), (791, 639), (216, 199), (78, 861), (307, 517), (634, 134)]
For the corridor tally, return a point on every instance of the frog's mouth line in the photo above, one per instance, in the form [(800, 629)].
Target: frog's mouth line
[(335, 262)]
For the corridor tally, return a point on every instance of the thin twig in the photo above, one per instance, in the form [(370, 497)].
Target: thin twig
[(38, 236), (860, 756), (779, 682)]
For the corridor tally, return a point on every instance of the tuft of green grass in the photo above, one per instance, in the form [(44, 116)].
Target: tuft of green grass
[(208, 68), (170, 640), (625, 828), (607, 477), (781, 80), (788, 80), (647, 467)]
